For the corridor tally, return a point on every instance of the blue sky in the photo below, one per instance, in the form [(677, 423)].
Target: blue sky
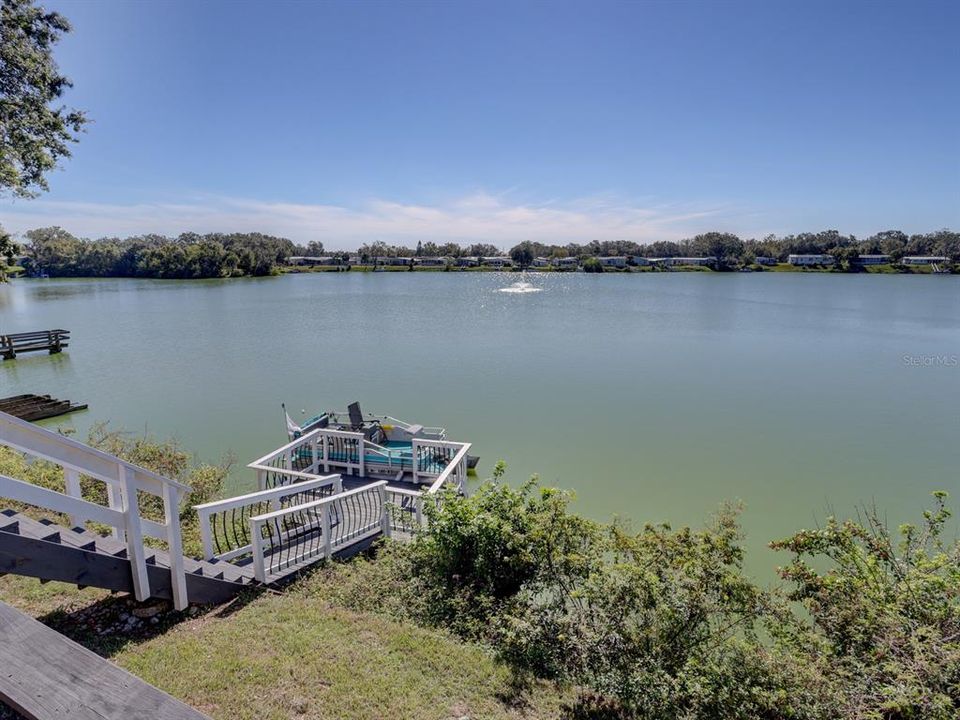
[(500, 121)]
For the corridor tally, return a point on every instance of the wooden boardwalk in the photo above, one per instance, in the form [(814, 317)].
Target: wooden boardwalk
[(53, 341), (46, 675)]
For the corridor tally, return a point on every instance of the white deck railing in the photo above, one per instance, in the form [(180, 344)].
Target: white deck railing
[(286, 538), (225, 524), (441, 459), (320, 449), (324, 450), (122, 479)]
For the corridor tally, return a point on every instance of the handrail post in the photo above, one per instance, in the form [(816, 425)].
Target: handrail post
[(261, 479), (418, 508), (415, 459), (206, 535), (115, 502), (384, 512), (362, 454), (135, 550), (313, 454), (256, 537), (178, 578), (72, 485), (326, 531)]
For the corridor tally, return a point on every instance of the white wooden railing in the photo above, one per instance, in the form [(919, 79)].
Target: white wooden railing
[(320, 449), (225, 524), (438, 466), (122, 479), (324, 450), (286, 538)]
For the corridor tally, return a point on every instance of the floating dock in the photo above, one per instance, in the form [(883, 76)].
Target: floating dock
[(52, 341), (37, 407)]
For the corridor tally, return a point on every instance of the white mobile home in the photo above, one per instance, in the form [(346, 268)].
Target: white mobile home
[(804, 260), (676, 261), (309, 260), (619, 261), (393, 261), (924, 259), (873, 259), (498, 261)]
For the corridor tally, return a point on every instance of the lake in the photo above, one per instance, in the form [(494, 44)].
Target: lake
[(654, 396)]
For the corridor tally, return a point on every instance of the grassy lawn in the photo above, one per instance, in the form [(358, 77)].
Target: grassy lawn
[(291, 656)]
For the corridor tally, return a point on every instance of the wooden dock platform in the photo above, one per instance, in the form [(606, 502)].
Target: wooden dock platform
[(52, 341), (37, 407)]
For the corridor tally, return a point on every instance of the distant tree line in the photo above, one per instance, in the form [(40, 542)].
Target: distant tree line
[(56, 252), (732, 251)]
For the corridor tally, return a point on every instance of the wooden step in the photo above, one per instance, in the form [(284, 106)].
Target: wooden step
[(49, 551)]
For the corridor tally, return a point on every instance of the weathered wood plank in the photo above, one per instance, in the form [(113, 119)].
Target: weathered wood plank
[(46, 675), (37, 407)]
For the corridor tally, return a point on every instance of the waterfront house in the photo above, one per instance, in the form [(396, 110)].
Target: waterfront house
[(924, 259), (432, 261), (567, 263), (393, 261), (873, 259), (762, 260), (806, 260), (467, 262), (541, 262), (701, 261), (309, 260), (640, 261), (619, 261), (498, 261)]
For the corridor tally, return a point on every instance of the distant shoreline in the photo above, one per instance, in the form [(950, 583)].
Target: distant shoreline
[(13, 274), (779, 268)]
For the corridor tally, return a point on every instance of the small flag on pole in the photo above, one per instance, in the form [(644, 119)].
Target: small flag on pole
[(293, 430)]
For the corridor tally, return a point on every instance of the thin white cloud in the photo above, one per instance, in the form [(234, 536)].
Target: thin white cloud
[(478, 217)]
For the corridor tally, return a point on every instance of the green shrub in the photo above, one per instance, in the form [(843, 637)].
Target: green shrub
[(662, 623), (884, 616), (592, 265)]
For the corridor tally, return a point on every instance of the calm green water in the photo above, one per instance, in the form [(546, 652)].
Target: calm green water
[(653, 396)]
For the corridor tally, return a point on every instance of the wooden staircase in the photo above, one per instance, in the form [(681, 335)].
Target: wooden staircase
[(45, 550)]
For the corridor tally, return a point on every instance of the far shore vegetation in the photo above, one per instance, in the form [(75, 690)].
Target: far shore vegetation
[(510, 605), (54, 252)]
